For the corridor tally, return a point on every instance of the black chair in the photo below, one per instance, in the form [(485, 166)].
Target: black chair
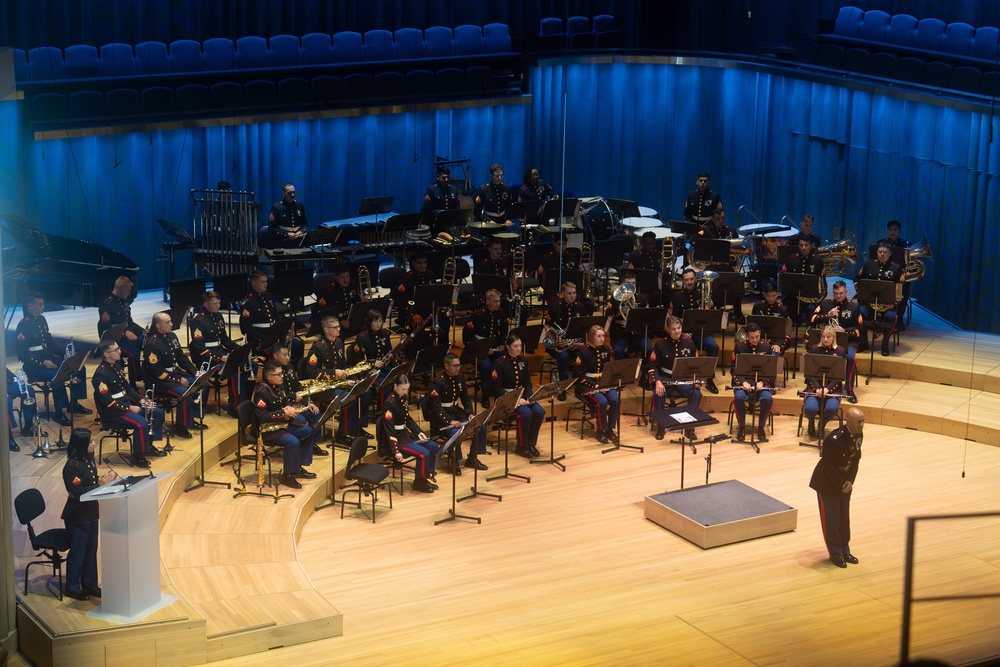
[(29, 505), (116, 433), (366, 478)]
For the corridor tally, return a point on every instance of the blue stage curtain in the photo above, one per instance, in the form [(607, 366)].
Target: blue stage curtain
[(782, 146)]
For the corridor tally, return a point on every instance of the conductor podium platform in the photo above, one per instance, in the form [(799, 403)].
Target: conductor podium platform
[(720, 513)]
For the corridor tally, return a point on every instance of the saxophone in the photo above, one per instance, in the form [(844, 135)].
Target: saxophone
[(260, 459)]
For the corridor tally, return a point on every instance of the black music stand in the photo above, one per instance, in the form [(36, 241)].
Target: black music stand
[(712, 251), (728, 290), (693, 370), (802, 286), (429, 358), (620, 373), (552, 281), (647, 281), (186, 242), (471, 354), (436, 296), (336, 404), (824, 367), (400, 223), (578, 327), (475, 492), (375, 206), (466, 430), (527, 211), (688, 417), (359, 310), (235, 362), (530, 335), (557, 209), (194, 389), (876, 294), (502, 409), (625, 208), (483, 282), (702, 320), (276, 332), (66, 375), (761, 367), (641, 320), (684, 227), (454, 219), (550, 391), (231, 287), (112, 335), (610, 254), (772, 327), (187, 293)]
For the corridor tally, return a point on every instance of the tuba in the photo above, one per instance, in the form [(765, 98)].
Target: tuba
[(625, 294), (915, 269), (836, 255)]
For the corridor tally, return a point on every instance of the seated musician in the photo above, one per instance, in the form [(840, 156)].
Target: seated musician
[(893, 239), (534, 188), (119, 404), (29, 408), (372, 345), (626, 341), (745, 387), (845, 317), (557, 321), (816, 392), (689, 298), (210, 342), (494, 263), (560, 256), (441, 196), (278, 424), (510, 372), (494, 199), (419, 274), (805, 232), (287, 223), (327, 360), (647, 257), (168, 372), (41, 357), (881, 268), (659, 369), (337, 297), (700, 203), (259, 313), (293, 387), (589, 365), (718, 229), (770, 306), (399, 435), (805, 262), (449, 406), (114, 310), (490, 323)]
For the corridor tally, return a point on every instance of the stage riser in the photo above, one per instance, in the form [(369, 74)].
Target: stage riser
[(245, 643)]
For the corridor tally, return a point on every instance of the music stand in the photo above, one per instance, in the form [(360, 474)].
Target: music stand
[(429, 357), (530, 335), (553, 279), (112, 335), (376, 206), (712, 251), (525, 210), (275, 332), (400, 224), (502, 409), (355, 394), (647, 281), (876, 294), (468, 429), (728, 290), (473, 351), (704, 320), (482, 282), (436, 296), (454, 219), (625, 208), (825, 367), (187, 293), (578, 327), (802, 286), (618, 374), (558, 209), (772, 327), (331, 409), (195, 389), (610, 254), (688, 417), (691, 369), (684, 227), (66, 375), (359, 311), (762, 367), (550, 391)]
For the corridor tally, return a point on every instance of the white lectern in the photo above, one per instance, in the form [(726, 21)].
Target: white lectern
[(130, 551)]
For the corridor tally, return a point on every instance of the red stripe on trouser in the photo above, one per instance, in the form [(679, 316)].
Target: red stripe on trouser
[(739, 420), (520, 433), (597, 412), (422, 467), (822, 523), (138, 428)]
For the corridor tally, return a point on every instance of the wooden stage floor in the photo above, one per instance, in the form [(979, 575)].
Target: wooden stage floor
[(565, 570)]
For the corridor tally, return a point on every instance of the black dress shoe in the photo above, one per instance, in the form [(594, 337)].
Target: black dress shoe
[(77, 595), (852, 559), (851, 398), (93, 592), (477, 464), (534, 452), (319, 451), (885, 349), (525, 452), (812, 430), (740, 434), (660, 432), (601, 437), (838, 561), (289, 481), (423, 486), (367, 435), (761, 435), (710, 385), (612, 436), (200, 426), (182, 433), (156, 451), (61, 419), (14, 447), (140, 461), (81, 410), (304, 474), (457, 470)]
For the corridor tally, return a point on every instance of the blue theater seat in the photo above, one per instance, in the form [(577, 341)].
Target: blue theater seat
[(929, 34), (158, 100), (451, 80), (390, 84), (984, 44), (902, 30), (317, 49), (21, 72), (47, 107), (882, 65), (469, 40), (117, 59), (260, 93), (830, 56), (348, 47), (579, 33), (219, 54), (359, 86), (874, 25), (86, 104), (379, 46), (910, 69), (608, 36), (284, 51), (496, 37), (45, 63), (193, 97), (294, 91), (806, 51), (990, 84), (438, 42), (856, 60), (185, 56), (252, 53), (937, 75), (408, 43), (550, 34), (479, 78), (420, 82), (966, 79), (151, 58), (82, 62), (958, 38), (226, 95), (327, 89), (848, 21), (123, 102)]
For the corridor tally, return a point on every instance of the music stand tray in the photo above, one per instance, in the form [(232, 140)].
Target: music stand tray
[(434, 296), (625, 208), (502, 409), (113, 335), (453, 217), (375, 205), (550, 389), (401, 223), (235, 361), (356, 318), (556, 209), (277, 331), (682, 418), (772, 327), (647, 281), (728, 289), (475, 350), (69, 367), (530, 335), (896, 255), (551, 278), (468, 429), (428, 358), (523, 210), (578, 327), (394, 372), (883, 292), (610, 253), (800, 285), (702, 320), (620, 372), (713, 251), (646, 319), (173, 229)]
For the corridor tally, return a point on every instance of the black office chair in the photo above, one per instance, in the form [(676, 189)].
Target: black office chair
[(29, 505), (366, 478)]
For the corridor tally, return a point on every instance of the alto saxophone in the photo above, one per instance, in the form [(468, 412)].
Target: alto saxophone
[(260, 459)]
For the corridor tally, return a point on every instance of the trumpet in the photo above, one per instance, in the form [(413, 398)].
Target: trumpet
[(70, 349), (42, 448), (147, 404), (21, 379), (205, 366), (836, 255)]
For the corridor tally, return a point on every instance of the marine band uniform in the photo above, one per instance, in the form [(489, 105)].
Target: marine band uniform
[(210, 342), (399, 435), (844, 315), (831, 405), (449, 405), (273, 405), (119, 404), (745, 388), (881, 268), (114, 310), (169, 372), (589, 366), (510, 372), (259, 313), (659, 370)]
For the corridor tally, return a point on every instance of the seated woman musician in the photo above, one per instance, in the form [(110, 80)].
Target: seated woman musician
[(510, 372), (589, 365), (817, 392), (745, 387), (399, 435)]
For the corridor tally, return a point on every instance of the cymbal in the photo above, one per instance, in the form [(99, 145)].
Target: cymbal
[(484, 225)]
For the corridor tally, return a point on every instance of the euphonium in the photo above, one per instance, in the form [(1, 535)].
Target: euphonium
[(553, 335), (364, 283), (625, 295), (741, 335), (915, 269), (21, 379), (836, 255), (739, 248)]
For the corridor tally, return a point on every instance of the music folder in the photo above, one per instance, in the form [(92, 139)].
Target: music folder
[(467, 429), (620, 372), (69, 367), (359, 310), (552, 389), (828, 366)]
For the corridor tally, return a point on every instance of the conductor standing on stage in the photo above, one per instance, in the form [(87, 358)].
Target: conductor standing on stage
[(833, 481)]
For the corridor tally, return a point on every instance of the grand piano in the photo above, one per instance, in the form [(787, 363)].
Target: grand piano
[(67, 271)]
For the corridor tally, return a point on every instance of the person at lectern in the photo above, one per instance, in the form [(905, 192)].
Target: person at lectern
[(81, 518)]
